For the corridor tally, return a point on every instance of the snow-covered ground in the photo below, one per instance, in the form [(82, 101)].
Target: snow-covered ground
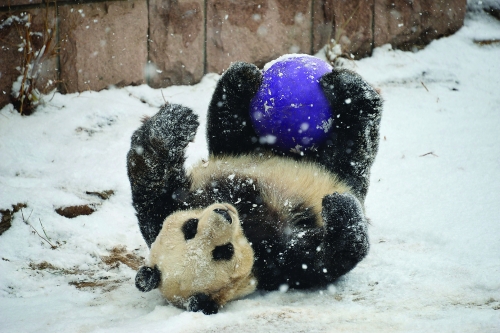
[(434, 204)]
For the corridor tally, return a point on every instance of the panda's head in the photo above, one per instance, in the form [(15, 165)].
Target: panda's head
[(200, 260)]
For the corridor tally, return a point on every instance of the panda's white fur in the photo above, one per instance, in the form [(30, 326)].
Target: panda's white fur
[(283, 181), (187, 266)]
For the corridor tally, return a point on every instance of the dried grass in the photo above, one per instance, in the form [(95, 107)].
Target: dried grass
[(37, 47), (93, 277)]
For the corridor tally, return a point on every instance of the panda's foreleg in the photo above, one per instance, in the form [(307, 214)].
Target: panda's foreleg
[(351, 149), (318, 256), (229, 128), (155, 165)]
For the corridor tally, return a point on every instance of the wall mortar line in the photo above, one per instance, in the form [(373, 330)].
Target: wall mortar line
[(205, 38), (58, 45), (311, 50), (373, 28), (148, 38)]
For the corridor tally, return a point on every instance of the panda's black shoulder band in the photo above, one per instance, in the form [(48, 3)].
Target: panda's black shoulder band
[(147, 278)]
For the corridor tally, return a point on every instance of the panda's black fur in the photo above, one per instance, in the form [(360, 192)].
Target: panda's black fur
[(305, 245)]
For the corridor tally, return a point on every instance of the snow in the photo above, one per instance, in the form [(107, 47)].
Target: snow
[(433, 204)]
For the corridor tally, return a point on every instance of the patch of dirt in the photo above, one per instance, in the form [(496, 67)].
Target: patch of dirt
[(71, 212), (8, 216), (75, 211), (119, 254), (490, 303), (43, 266), (104, 284), (487, 42), (99, 123), (103, 276)]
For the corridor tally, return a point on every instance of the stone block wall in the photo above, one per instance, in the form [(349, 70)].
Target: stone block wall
[(406, 24), (176, 42), (256, 31), (102, 44), (171, 42)]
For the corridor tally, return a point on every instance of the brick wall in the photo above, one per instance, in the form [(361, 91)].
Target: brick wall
[(167, 42)]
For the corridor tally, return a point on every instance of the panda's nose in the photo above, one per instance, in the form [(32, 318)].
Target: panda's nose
[(224, 214)]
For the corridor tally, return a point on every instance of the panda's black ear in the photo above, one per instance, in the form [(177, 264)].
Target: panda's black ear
[(202, 302), (147, 278)]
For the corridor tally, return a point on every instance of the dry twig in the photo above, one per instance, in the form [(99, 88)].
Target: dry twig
[(37, 47), (46, 238), (429, 153)]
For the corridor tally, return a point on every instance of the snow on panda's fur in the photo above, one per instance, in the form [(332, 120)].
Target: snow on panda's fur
[(273, 194), (251, 217)]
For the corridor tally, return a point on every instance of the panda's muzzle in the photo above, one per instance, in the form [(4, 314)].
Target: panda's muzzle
[(218, 223), (225, 214)]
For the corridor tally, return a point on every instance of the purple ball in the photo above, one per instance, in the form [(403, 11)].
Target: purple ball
[(290, 111)]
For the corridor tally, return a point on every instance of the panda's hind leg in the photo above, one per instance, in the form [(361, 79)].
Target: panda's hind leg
[(318, 256), (346, 234), (229, 128)]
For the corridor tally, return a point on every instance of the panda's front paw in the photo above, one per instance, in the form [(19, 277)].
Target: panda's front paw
[(147, 278), (243, 77), (202, 302), (172, 128), (353, 98), (345, 223)]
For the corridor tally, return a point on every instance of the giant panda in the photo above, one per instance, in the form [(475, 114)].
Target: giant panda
[(250, 216)]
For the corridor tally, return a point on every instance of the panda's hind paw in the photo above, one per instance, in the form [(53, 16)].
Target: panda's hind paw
[(336, 203), (243, 77), (341, 210), (345, 224)]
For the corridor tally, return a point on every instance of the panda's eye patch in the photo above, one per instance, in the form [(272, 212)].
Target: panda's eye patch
[(224, 214), (223, 252), (189, 229)]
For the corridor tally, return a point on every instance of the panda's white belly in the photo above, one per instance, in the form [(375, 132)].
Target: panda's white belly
[(282, 182)]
